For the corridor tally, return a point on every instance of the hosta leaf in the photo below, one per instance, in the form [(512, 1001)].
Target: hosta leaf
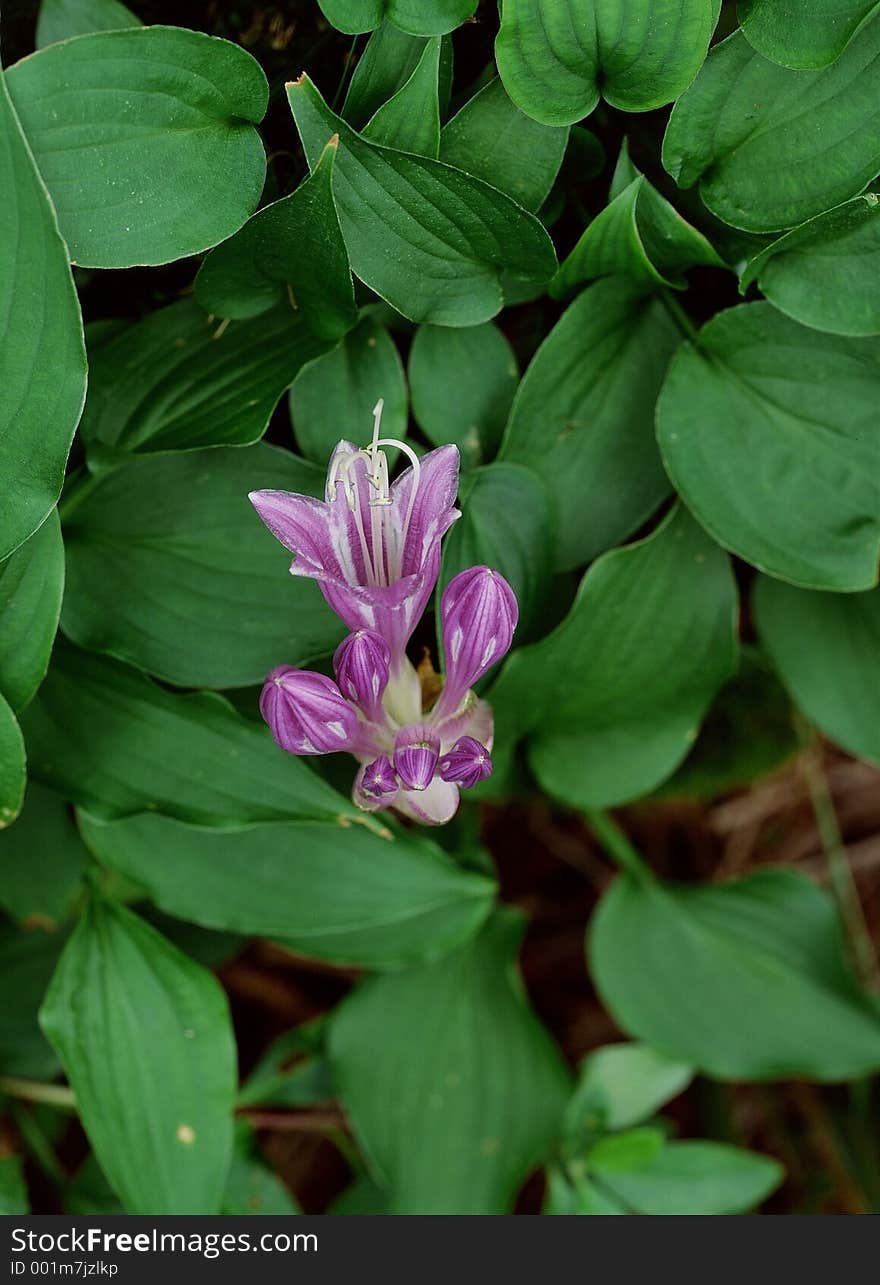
[(740, 129), (678, 966), (834, 679), (462, 383), (27, 961), (12, 765), (346, 896), (31, 585), (419, 17), (491, 138), (431, 240), (41, 891), (116, 743), (410, 120), (478, 1087), (169, 568), (693, 1178), (768, 432), (556, 56), (61, 19), (583, 416), (146, 1040), (824, 273), (145, 140), (42, 358), (384, 67), (809, 36), (334, 397), (621, 1085), (175, 381), (291, 250)]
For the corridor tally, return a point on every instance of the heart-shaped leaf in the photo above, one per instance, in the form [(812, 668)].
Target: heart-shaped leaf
[(420, 17)]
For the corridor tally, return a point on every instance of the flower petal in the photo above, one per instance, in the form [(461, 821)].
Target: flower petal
[(434, 806)]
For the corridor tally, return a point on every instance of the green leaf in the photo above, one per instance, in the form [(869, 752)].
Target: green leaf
[(491, 138), (556, 56), (419, 17), (577, 1197), (740, 129), (12, 765), (624, 1152), (478, 1086), (388, 61), (462, 383), (116, 743), (44, 364), (31, 586), (430, 240), (334, 396), (293, 1072), (41, 891), (361, 1197), (639, 235), (506, 524), (146, 1040), (812, 36), (27, 961), (252, 1187), (89, 1192), (290, 250), (170, 569), (61, 19), (767, 431), (834, 678), (694, 1178), (145, 140), (13, 1192), (175, 381), (410, 120), (620, 688), (328, 892), (678, 966), (621, 1085), (583, 416), (824, 272)]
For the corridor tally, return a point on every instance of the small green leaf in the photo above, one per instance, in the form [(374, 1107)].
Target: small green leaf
[(834, 679), (13, 1192), (767, 431), (419, 17), (678, 966), (252, 1187), (12, 766), (146, 1040), (27, 961), (41, 891), (695, 1178), (565, 1196), (621, 1085), (812, 36), (479, 1088), (410, 120), (31, 585), (390, 58), (292, 1072), (145, 140), (61, 19), (625, 1152)]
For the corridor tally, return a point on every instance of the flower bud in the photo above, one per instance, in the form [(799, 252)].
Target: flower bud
[(361, 663), (378, 779), (416, 751), (480, 613), (466, 764), (306, 712)]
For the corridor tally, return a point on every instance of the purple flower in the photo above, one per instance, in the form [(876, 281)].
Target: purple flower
[(466, 764), (480, 612), (361, 666), (416, 754), (307, 713)]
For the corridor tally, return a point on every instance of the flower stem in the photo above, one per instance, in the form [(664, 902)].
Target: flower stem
[(55, 1095), (616, 844)]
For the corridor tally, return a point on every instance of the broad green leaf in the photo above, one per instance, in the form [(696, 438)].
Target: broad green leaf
[(693, 1178), (811, 35), (583, 417), (388, 61), (334, 396), (170, 569), (833, 676), (639, 235), (290, 250), (116, 743), (462, 383), (678, 967), (491, 138), (478, 1087), (12, 765), (618, 691), (430, 240), (329, 892), (27, 961), (251, 1186), (177, 381), (740, 129), (506, 524), (145, 140), (42, 860), (768, 432), (410, 120), (61, 19), (43, 363), (419, 17), (824, 273), (621, 1085), (146, 1041), (557, 56), (13, 1192), (31, 585)]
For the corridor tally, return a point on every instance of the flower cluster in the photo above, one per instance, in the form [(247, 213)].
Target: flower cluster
[(374, 549)]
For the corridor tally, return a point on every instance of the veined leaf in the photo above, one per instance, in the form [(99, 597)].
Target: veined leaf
[(419, 17), (42, 859), (31, 585), (410, 120), (812, 36), (61, 19)]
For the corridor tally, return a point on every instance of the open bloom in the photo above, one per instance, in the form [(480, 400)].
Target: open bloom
[(374, 549)]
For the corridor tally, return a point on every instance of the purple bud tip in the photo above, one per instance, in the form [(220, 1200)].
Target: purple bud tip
[(362, 663), (466, 764), (378, 778), (480, 613), (306, 712), (416, 753)]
